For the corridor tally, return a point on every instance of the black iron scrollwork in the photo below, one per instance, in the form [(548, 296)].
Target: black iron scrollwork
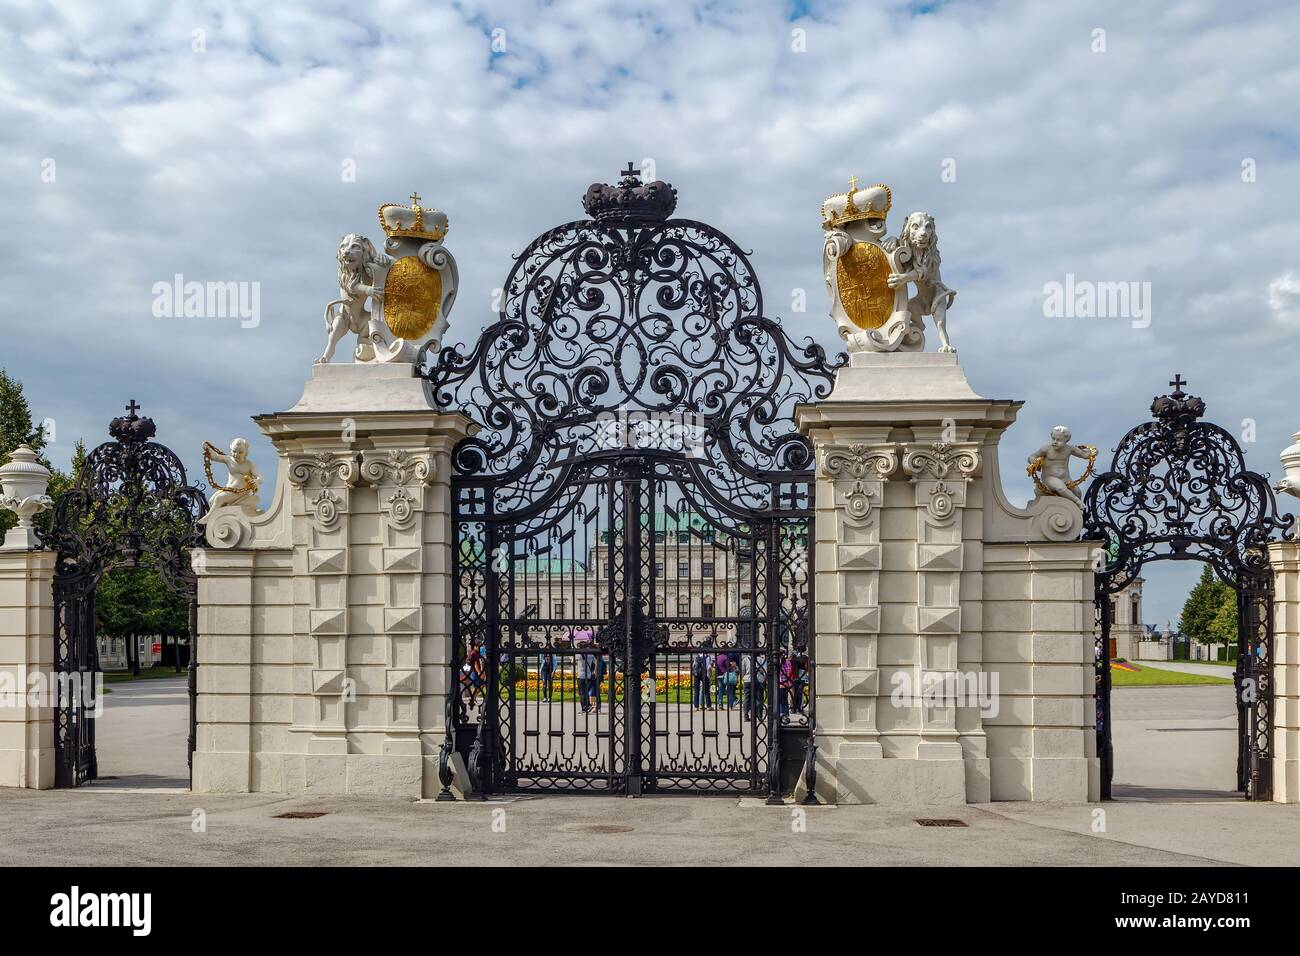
[(630, 312), (1179, 485), (132, 504), (636, 497), (1178, 488)]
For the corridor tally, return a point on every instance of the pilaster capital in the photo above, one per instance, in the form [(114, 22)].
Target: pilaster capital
[(323, 469), (941, 461)]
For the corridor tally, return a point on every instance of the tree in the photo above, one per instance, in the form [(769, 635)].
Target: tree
[(1223, 627), (15, 429), (1210, 612), (135, 602)]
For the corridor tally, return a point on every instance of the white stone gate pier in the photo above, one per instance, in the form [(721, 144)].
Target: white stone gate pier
[(324, 635), (954, 632)]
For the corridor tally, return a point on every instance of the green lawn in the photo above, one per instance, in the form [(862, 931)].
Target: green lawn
[(1154, 677)]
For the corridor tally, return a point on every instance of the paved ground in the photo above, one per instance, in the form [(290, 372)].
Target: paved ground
[(1175, 742), (140, 739), (1173, 812)]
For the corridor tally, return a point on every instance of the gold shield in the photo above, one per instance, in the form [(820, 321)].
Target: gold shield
[(412, 297), (862, 275)]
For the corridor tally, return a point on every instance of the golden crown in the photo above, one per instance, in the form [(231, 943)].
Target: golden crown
[(416, 221), (870, 203)]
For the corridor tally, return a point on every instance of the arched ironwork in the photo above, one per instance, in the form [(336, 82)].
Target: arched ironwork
[(1178, 489), (637, 476), (132, 503)]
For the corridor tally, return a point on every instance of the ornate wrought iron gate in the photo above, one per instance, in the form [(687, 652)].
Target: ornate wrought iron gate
[(1178, 489), (131, 501), (633, 516)]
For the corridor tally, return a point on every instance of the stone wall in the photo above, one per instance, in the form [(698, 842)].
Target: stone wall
[(953, 631), (1285, 558), (324, 630), (26, 665)]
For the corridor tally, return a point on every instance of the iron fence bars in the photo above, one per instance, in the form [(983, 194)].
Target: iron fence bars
[(635, 500), (131, 502), (1178, 489)]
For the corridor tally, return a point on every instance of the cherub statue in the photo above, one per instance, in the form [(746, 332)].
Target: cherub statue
[(917, 251), (358, 260), (1050, 465), (242, 482)]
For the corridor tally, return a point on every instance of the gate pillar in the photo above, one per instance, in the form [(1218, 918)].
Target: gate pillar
[(26, 668), (1284, 557), (324, 624), (953, 630)]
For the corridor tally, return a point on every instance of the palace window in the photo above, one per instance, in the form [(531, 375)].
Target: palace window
[(706, 569)]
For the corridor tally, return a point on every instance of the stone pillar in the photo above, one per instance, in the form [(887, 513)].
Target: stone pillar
[(1285, 559), (337, 680), (932, 689), (26, 668)]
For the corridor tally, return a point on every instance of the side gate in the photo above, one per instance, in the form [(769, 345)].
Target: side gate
[(1178, 490)]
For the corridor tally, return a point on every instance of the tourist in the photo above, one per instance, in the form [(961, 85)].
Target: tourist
[(720, 665), (700, 682), (800, 683), (754, 690), (785, 683), (548, 676), (746, 685), (585, 665), (596, 671), (730, 679), (475, 675)]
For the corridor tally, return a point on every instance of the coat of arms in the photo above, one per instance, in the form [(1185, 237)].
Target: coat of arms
[(398, 300), (867, 273)]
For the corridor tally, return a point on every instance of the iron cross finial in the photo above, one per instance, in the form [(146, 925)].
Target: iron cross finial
[(415, 200), (630, 171), (1178, 382), (132, 408)]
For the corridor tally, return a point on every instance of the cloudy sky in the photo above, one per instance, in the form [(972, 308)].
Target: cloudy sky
[(1112, 140)]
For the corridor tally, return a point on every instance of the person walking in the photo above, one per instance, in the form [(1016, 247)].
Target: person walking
[(746, 686), (547, 673), (759, 685), (700, 682), (731, 679), (720, 677), (597, 675), (584, 665), (785, 684)]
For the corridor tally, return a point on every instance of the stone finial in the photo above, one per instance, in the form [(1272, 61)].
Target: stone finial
[(23, 485)]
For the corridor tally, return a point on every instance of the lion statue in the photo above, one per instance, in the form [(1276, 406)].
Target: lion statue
[(357, 258), (917, 251)]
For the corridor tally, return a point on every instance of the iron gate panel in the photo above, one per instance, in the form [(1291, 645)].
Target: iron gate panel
[(636, 498), (132, 500), (1178, 489)]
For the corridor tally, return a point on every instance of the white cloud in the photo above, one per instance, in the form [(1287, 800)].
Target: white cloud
[(225, 165), (1284, 297)]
